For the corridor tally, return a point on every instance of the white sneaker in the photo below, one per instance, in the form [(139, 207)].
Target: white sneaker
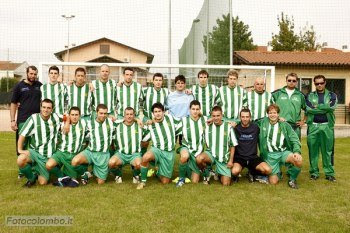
[(141, 185), (118, 180), (136, 179), (206, 180)]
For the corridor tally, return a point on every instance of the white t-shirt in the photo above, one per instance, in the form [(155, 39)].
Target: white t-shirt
[(290, 92)]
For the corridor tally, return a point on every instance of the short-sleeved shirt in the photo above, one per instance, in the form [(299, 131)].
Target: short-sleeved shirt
[(29, 97), (58, 94), (178, 104), (247, 138)]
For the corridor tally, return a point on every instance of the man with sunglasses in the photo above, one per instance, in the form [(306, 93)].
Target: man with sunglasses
[(291, 101), (320, 106)]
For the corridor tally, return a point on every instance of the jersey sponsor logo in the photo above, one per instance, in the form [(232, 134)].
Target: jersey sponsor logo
[(25, 89), (295, 99), (283, 98)]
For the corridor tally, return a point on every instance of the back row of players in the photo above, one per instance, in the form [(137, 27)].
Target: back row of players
[(279, 143)]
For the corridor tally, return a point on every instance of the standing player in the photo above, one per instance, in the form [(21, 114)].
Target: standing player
[(79, 94), (291, 101), (192, 130), (128, 145), (279, 145), (101, 133), (104, 91), (246, 153), (320, 106), (26, 98), (43, 127), (221, 141), (258, 100), (205, 93), (232, 97), (70, 145), (55, 91), (129, 94), (162, 133), (152, 95)]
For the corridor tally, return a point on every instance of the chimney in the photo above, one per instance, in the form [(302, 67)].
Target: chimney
[(345, 48), (269, 47), (324, 44)]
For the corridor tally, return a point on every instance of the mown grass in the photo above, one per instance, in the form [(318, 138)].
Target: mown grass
[(318, 206)]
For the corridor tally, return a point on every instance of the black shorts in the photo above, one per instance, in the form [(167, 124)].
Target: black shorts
[(251, 164)]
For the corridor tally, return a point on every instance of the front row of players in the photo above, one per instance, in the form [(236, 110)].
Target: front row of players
[(112, 145)]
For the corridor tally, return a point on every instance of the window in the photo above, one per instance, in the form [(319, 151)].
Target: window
[(338, 87), (104, 49), (305, 85)]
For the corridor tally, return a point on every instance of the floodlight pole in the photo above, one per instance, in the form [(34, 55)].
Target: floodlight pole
[(231, 34), (169, 47), (68, 18)]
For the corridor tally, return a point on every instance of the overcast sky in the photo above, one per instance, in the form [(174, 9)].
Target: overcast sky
[(33, 29)]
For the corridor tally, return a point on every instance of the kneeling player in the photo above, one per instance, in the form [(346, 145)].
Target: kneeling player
[(246, 153), (70, 145), (43, 127), (101, 132), (221, 141), (128, 145), (192, 130), (162, 133), (279, 144)]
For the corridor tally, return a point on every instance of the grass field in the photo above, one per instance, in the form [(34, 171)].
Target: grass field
[(318, 206)]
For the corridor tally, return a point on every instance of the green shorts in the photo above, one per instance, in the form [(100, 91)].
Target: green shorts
[(65, 159), (276, 159), (165, 161), (99, 161), (39, 164), (221, 167), (127, 159), (192, 163)]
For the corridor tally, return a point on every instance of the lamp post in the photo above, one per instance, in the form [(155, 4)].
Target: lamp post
[(194, 37), (68, 18)]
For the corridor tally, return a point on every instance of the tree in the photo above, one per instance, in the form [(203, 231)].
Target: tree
[(288, 40), (219, 40)]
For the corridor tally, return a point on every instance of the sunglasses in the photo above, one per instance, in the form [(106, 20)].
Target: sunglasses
[(318, 84), (291, 81)]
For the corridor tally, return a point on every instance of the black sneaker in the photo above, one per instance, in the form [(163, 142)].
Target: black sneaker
[(73, 183), (29, 183), (331, 178), (235, 179), (293, 184), (313, 177), (250, 177)]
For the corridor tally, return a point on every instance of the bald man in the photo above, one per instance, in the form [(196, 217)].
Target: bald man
[(258, 99)]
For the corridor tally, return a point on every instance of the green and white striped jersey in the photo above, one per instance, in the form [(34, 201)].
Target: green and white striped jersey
[(152, 96), (80, 97), (219, 139), (104, 93), (58, 94), (128, 138), (73, 141), (193, 133), (163, 133), (207, 96), (100, 135), (43, 133), (275, 138), (129, 96), (232, 100), (258, 104)]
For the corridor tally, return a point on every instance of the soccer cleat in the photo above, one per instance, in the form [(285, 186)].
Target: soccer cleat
[(331, 178), (118, 179), (250, 177), (176, 180), (293, 184), (206, 180), (150, 172), (29, 183), (187, 180), (136, 179), (214, 175), (20, 175), (85, 178), (180, 182), (73, 183), (313, 177), (262, 179), (235, 179), (62, 182), (141, 185)]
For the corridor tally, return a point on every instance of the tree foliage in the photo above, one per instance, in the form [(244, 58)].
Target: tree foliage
[(219, 39)]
